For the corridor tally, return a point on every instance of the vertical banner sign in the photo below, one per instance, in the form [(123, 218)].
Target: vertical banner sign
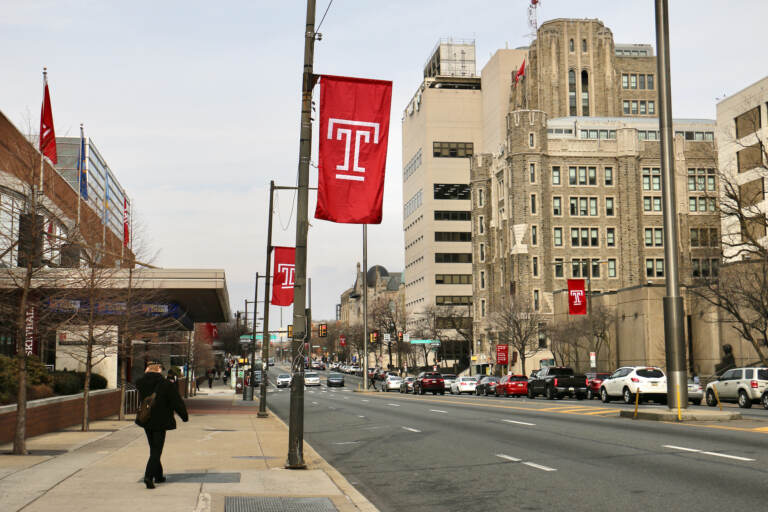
[(126, 233), (30, 331), (343, 340), (501, 354), (354, 129), (283, 276), (577, 298)]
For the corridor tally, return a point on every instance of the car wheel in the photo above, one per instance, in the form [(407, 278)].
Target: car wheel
[(531, 396), (744, 401), (697, 402), (604, 396), (590, 395), (550, 394), (579, 396), (442, 392), (764, 400), (711, 400), (434, 393), (506, 393), (627, 396), (477, 392)]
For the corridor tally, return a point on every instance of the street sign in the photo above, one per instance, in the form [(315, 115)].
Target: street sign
[(425, 342), (501, 354), (593, 360), (386, 337), (406, 337)]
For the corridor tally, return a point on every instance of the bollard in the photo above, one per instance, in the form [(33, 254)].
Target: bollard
[(679, 415), (717, 397), (637, 401)]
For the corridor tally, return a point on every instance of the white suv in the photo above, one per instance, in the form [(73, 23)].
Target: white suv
[(627, 381), (741, 385)]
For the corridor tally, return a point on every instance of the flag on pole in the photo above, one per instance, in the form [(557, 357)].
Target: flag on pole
[(577, 303), (354, 129), (106, 198), (47, 134), (126, 232), (82, 167), (283, 276), (520, 73)]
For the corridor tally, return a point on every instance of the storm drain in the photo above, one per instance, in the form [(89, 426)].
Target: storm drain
[(271, 504), (204, 478)]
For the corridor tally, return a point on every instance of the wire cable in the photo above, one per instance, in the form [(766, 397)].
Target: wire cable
[(323, 18)]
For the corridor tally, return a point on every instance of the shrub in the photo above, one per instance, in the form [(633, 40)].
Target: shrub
[(37, 375), (40, 391), (66, 383)]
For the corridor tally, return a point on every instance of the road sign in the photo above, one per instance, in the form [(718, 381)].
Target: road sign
[(425, 342), (386, 337), (501, 354), (593, 360), (406, 337), (343, 340)]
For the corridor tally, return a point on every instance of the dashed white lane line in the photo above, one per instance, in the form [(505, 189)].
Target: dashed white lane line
[(507, 457), (520, 423), (714, 454), (394, 405), (529, 464), (411, 429), (314, 403), (365, 400), (361, 416), (347, 442), (438, 410)]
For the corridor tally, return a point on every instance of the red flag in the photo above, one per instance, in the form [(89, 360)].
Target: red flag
[(354, 129), (283, 276), (520, 72), (577, 298), (126, 234), (47, 135)]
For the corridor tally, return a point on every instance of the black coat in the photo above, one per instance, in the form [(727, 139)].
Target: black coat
[(167, 401)]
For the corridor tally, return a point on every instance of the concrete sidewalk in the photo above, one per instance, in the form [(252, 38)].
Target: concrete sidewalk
[(224, 454)]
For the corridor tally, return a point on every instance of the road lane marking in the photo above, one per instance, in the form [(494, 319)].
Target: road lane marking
[(361, 416), (347, 442), (394, 405), (412, 429), (520, 423), (539, 466), (714, 454), (438, 410), (364, 400), (314, 403), (507, 457)]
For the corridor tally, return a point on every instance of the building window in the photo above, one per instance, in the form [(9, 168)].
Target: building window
[(595, 268), (572, 92), (651, 178), (608, 172), (452, 215), (593, 206), (633, 81), (651, 108), (584, 45), (611, 267), (570, 45), (482, 252), (447, 300), (610, 237), (625, 81), (649, 81), (531, 140), (585, 90), (594, 239), (654, 268), (582, 175), (535, 266), (580, 267), (453, 236), (557, 208), (533, 204), (575, 237), (536, 304), (557, 236), (558, 267), (412, 205), (481, 224), (482, 279), (452, 149), (609, 210), (748, 122), (482, 308), (532, 172), (534, 236), (592, 175), (641, 83), (556, 175), (450, 191), (633, 110), (642, 108), (446, 257), (480, 197), (453, 278), (625, 105), (572, 179)]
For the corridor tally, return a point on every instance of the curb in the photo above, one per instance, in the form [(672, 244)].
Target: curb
[(686, 416), (352, 494)]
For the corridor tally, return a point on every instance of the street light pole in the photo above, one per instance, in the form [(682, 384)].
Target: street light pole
[(265, 333), (365, 307), (296, 420), (677, 377)]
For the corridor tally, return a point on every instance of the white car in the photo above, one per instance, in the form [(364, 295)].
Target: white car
[(391, 382), (463, 385), (311, 379), (741, 385), (283, 380), (629, 380)]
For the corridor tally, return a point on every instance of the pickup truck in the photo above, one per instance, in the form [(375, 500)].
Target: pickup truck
[(557, 382)]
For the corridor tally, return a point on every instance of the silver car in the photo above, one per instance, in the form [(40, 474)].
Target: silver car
[(744, 386), (463, 385), (695, 392), (311, 379), (392, 382), (283, 380)]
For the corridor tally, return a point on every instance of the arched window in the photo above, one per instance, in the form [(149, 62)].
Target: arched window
[(570, 45), (572, 92), (584, 93), (584, 46)]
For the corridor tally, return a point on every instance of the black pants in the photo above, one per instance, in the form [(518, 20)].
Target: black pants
[(156, 440)]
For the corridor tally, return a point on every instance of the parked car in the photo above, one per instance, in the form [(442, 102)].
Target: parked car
[(626, 381), (594, 379), (334, 379), (429, 381), (354, 370), (512, 385), (449, 378), (271, 361), (557, 382), (695, 392), (744, 386), (486, 385), (283, 380), (311, 379), (391, 382), (463, 385), (406, 386), (764, 399)]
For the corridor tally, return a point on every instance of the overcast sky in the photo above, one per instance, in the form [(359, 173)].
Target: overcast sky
[(195, 104)]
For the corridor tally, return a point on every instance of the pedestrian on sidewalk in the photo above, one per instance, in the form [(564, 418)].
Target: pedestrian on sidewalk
[(224, 378), (166, 402), (210, 379)]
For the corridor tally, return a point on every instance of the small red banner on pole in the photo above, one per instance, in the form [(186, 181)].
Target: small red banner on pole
[(577, 297), (283, 276)]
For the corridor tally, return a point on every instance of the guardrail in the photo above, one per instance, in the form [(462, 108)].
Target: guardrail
[(131, 399)]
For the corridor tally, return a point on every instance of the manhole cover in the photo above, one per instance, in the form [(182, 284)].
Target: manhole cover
[(204, 478), (271, 504)]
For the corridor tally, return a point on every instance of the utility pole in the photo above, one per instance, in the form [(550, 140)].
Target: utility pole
[(253, 342), (265, 333), (296, 420), (365, 307), (677, 377)]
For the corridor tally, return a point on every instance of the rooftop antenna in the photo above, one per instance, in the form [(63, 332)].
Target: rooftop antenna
[(533, 22)]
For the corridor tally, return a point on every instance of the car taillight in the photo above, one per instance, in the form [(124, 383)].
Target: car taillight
[(753, 384), (586, 382), (555, 381), (635, 379)]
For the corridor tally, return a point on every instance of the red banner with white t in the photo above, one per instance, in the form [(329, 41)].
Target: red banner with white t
[(283, 276), (354, 130), (577, 297)]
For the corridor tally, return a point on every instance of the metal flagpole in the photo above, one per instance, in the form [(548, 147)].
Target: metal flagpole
[(365, 307)]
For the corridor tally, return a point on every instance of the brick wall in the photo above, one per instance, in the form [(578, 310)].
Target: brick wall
[(52, 414)]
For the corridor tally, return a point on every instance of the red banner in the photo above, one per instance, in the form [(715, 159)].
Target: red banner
[(501, 354), (283, 276), (47, 135), (354, 129), (343, 340), (577, 297), (126, 234)]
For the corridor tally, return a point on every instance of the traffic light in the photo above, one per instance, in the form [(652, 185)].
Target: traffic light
[(290, 330), (400, 336), (323, 330)]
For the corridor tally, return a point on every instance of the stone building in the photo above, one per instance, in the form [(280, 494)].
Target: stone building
[(574, 191)]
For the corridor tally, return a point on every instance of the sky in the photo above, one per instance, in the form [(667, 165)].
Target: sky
[(195, 105)]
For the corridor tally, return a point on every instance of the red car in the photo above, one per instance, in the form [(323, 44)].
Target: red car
[(429, 381), (512, 385), (593, 383)]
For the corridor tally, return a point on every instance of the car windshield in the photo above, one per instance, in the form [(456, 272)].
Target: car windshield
[(492, 379), (283, 376), (469, 379), (518, 377), (335, 376), (432, 376), (310, 375), (650, 373)]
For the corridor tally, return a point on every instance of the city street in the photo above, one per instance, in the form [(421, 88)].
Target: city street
[(474, 453)]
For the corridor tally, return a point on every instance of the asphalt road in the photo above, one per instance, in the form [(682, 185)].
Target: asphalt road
[(447, 453)]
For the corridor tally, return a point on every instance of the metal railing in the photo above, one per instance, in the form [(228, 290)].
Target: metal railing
[(131, 399)]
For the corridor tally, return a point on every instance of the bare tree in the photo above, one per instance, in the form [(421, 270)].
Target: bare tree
[(518, 325)]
